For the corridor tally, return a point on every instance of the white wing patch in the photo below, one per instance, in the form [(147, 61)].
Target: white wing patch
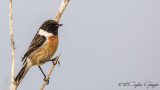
[(44, 33)]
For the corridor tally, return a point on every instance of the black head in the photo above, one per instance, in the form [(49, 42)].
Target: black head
[(50, 26)]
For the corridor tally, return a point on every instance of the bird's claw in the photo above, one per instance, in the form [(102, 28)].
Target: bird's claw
[(47, 81), (54, 62)]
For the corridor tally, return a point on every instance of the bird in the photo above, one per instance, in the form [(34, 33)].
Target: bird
[(42, 48)]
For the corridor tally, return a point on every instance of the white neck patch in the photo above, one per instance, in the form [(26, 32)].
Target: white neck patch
[(44, 33)]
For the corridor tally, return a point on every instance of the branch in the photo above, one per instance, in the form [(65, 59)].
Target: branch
[(56, 18), (49, 73), (12, 86), (61, 10)]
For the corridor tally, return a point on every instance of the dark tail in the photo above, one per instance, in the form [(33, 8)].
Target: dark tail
[(22, 73)]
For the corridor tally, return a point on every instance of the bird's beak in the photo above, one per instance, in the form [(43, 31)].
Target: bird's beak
[(59, 25)]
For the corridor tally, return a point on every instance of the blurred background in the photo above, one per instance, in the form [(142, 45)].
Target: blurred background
[(102, 43)]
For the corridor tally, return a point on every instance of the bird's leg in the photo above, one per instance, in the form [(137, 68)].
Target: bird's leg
[(47, 81), (54, 60)]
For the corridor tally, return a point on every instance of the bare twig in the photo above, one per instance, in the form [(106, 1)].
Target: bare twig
[(49, 73), (61, 10), (56, 18), (12, 86)]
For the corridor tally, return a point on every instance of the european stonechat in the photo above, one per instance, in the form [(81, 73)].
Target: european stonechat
[(41, 49)]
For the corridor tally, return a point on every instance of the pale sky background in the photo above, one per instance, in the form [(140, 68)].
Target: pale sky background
[(102, 43)]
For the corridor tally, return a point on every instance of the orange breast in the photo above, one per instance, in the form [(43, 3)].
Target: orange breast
[(41, 55)]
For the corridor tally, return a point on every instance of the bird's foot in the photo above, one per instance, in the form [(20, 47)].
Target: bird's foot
[(54, 62), (47, 80)]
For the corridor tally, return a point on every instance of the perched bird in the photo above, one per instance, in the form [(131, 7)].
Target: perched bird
[(41, 49)]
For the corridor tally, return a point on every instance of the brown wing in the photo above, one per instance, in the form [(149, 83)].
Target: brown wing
[(37, 42)]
